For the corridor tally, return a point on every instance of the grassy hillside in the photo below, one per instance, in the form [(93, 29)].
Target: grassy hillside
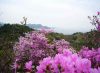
[(8, 35)]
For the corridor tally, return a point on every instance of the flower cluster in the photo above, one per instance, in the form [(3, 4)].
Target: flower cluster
[(64, 63), (60, 45), (93, 55), (95, 70), (34, 46), (46, 31), (28, 65)]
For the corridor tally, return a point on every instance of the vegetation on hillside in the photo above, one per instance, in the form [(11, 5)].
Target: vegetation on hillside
[(9, 33)]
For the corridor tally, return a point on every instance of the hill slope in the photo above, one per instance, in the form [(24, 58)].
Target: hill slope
[(8, 35)]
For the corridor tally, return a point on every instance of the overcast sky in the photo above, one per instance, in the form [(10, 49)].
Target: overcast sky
[(67, 15)]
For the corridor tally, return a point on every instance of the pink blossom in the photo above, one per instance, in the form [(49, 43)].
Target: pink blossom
[(28, 65), (64, 64), (98, 13), (95, 70)]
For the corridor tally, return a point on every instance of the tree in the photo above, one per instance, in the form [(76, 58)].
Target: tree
[(24, 22)]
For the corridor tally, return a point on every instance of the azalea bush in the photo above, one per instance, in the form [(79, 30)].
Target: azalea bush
[(67, 62), (35, 46), (93, 55), (64, 63), (92, 39)]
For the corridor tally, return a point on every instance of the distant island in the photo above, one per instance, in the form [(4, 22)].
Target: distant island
[(37, 26), (33, 26)]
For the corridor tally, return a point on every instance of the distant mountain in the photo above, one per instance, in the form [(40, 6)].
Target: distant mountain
[(37, 26), (33, 26), (1, 24)]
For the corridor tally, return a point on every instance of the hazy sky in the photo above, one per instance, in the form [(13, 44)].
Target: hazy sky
[(68, 15)]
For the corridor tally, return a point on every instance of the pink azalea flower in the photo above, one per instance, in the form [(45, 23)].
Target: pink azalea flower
[(28, 65), (95, 70), (98, 13)]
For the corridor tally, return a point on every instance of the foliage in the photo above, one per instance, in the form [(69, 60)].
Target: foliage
[(9, 33), (93, 38), (77, 40)]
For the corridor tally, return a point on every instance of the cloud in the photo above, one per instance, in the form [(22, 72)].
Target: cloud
[(65, 14)]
